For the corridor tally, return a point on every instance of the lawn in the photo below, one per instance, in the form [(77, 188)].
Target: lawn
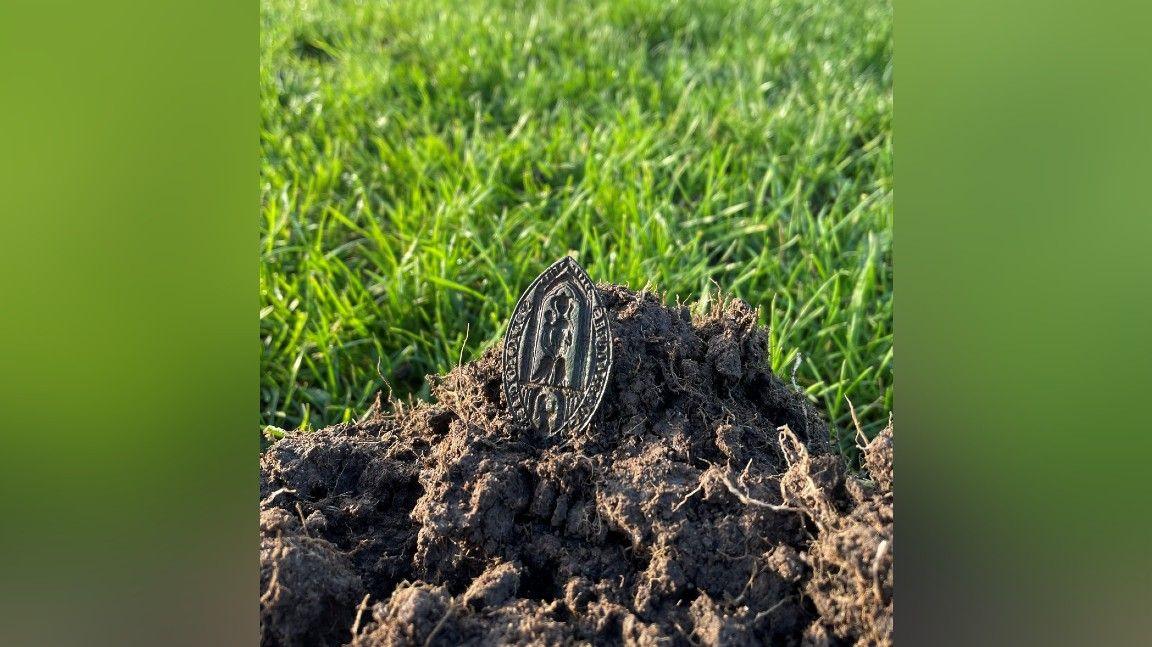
[(423, 161)]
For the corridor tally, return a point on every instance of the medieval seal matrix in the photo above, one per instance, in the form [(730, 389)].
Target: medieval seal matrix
[(557, 351)]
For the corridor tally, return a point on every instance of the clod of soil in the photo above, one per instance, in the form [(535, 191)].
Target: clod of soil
[(703, 505)]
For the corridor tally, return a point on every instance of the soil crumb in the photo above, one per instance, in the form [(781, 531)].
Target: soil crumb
[(703, 506)]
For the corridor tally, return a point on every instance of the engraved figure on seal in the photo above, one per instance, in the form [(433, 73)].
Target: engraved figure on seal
[(555, 341), (548, 410)]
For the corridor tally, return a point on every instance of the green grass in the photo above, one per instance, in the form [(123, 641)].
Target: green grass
[(423, 161)]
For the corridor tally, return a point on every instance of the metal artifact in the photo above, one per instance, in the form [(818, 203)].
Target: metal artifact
[(557, 351)]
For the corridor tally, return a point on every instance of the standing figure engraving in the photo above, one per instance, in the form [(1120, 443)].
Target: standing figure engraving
[(553, 342)]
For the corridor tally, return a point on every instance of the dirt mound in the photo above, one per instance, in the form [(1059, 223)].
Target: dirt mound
[(703, 505)]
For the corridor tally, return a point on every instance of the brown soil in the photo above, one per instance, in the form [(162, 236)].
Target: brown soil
[(703, 505)]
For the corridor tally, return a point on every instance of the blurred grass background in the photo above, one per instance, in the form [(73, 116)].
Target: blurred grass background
[(421, 163)]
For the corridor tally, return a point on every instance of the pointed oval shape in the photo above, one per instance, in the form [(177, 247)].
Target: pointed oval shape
[(557, 351)]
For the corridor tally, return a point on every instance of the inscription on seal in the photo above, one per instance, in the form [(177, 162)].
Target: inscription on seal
[(557, 351)]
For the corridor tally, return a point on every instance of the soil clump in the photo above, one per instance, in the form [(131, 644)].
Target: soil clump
[(704, 505)]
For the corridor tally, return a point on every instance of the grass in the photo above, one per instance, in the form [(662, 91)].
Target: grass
[(423, 161)]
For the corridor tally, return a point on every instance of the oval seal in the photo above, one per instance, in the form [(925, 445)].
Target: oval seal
[(557, 351)]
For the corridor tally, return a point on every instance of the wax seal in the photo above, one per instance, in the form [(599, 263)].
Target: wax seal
[(557, 351)]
